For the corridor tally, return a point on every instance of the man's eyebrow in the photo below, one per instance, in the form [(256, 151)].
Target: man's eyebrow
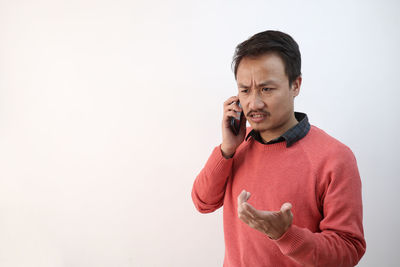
[(243, 86), (264, 83)]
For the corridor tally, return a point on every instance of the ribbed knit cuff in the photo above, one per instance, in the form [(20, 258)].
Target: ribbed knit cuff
[(217, 165), (294, 241)]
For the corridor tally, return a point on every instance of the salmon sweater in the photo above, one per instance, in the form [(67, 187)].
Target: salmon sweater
[(318, 175)]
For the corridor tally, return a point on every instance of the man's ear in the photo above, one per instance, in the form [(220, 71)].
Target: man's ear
[(296, 86)]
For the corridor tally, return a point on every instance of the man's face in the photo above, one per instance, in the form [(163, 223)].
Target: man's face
[(264, 93)]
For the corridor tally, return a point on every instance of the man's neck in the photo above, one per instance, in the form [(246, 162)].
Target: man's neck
[(274, 133)]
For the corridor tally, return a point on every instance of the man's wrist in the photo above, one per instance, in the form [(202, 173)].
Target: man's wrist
[(283, 233), (225, 154)]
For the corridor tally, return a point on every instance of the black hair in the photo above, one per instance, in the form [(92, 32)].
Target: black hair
[(275, 42)]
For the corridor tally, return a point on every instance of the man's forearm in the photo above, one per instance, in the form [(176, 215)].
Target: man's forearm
[(209, 187), (327, 248)]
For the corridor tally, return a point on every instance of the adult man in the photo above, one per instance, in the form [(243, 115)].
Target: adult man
[(287, 164)]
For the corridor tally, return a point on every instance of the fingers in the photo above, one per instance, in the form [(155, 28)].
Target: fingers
[(250, 216), (272, 223), (231, 100), (245, 210), (242, 197), (231, 104), (231, 110), (245, 216), (253, 212), (232, 113)]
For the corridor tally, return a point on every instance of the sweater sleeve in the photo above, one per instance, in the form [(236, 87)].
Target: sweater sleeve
[(340, 241), (209, 186)]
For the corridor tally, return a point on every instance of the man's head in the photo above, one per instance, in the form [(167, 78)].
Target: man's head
[(271, 41), (267, 69)]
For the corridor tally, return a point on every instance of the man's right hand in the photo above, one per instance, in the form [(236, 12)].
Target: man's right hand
[(230, 141)]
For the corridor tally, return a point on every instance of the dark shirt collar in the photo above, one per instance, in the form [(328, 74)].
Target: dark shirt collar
[(291, 136)]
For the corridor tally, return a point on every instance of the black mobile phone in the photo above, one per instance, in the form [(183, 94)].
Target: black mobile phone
[(235, 123)]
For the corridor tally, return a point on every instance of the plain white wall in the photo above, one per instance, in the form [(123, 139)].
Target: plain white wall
[(109, 109)]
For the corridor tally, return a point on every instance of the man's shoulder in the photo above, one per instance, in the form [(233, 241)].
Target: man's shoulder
[(319, 142), (245, 145)]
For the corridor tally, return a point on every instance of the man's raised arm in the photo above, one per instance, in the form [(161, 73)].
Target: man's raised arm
[(209, 187)]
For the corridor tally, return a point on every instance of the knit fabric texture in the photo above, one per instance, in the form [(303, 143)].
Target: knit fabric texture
[(318, 175)]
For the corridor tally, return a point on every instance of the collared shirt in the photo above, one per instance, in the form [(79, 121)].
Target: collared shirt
[(291, 136)]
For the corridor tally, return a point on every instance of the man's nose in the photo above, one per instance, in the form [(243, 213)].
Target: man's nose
[(256, 102)]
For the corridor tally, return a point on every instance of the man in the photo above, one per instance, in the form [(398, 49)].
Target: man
[(291, 193)]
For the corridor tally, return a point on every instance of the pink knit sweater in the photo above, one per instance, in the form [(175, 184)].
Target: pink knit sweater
[(318, 175)]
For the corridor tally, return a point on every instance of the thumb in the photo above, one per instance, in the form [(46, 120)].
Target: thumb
[(286, 208)]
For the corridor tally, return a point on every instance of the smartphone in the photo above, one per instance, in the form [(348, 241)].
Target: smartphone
[(236, 122)]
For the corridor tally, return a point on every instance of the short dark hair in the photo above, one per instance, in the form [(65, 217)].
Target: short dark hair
[(271, 41)]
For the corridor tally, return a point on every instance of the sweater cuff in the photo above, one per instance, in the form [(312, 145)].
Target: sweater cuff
[(293, 241), (217, 165)]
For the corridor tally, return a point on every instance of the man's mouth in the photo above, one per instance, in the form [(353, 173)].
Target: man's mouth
[(257, 116)]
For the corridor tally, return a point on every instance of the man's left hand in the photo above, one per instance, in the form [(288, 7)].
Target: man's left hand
[(272, 223)]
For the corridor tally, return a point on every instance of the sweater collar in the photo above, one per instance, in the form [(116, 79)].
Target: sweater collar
[(291, 136)]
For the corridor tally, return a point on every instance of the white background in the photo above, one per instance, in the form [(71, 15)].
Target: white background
[(109, 109)]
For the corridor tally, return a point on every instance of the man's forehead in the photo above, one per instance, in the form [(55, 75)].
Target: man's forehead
[(264, 69)]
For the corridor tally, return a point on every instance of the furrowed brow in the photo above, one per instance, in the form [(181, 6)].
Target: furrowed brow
[(262, 84), (243, 86), (266, 83)]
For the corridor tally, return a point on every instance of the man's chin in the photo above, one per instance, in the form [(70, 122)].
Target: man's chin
[(259, 128)]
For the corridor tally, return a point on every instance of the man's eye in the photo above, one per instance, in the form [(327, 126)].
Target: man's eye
[(244, 91), (266, 89)]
